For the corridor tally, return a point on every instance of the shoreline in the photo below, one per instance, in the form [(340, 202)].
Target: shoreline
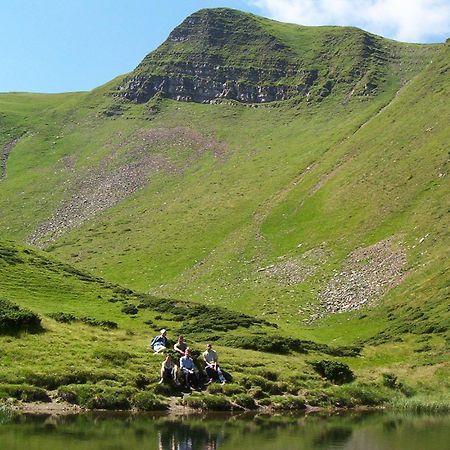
[(61, 409)]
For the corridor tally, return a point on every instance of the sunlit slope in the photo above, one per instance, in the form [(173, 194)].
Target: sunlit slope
[(302, 195), (253, 208)]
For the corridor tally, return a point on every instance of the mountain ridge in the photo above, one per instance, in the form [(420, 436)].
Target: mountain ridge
[(223, 54)]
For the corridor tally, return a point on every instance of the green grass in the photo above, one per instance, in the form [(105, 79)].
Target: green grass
[(247, 188)]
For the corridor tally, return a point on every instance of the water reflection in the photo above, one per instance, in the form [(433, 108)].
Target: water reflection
[(381, 431), (181, 436)]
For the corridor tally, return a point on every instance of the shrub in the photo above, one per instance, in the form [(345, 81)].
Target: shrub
[(141, 381), (62, 317), (14, 319), (10, 255), (98, 323), (390, 381), (129, 308), (335, 371), (69, 318), (198, 318), (148, 401)]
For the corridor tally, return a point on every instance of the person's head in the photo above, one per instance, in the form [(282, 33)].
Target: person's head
[(187, 352), (169, 358), (180, 338), (208, 347), (163, 332)]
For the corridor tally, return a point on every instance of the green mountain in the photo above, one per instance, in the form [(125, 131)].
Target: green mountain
[(294, 175)]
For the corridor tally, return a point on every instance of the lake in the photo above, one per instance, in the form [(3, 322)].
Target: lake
[(106, 431)]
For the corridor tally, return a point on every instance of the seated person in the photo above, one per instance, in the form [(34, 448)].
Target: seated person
[(189, 371), (160, 343), (212, 365), (180, 345), (168, 370)]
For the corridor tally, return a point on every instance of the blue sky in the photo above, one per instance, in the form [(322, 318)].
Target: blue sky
[(70, 45)]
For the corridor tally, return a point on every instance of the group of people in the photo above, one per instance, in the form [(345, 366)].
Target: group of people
[(187, 370)]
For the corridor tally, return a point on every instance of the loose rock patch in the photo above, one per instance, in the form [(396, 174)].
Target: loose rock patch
[(295, 270), (122, 174), (366, 275)]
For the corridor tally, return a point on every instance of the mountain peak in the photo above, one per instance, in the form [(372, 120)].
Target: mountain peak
[(223, 53)]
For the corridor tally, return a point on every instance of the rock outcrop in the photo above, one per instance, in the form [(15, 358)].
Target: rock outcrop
[(225, 54)]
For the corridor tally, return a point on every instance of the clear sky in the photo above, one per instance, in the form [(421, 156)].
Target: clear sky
[(70, 45)]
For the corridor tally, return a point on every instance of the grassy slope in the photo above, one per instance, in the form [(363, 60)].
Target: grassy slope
[(77, 353), (293, 173)]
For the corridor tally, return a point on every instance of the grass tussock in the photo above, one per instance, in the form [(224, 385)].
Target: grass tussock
[(422, 405)]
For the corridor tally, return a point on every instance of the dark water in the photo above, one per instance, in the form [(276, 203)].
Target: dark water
[(374, 431)]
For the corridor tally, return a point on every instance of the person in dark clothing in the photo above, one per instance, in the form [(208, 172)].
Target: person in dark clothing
[(189, 371)]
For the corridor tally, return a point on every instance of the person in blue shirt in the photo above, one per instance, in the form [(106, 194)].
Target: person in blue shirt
[(189, 371), (160, 343)]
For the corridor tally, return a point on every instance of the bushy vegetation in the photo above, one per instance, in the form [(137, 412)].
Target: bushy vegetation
[(14, 319), (284, 345), (335, 371), (69, 318), (198, 318)]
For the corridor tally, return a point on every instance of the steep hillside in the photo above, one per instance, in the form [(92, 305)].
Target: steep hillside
[(226, 54), (329, 201)]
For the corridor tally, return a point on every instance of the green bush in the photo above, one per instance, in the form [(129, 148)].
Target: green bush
[(129, 308), (14, 319), (62, 317), (10, 255), (391, 381), (334, 371), (148, 401), (69, 318), (198, 318)]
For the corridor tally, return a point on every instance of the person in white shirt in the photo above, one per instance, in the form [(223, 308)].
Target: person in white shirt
[(212, 365)]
